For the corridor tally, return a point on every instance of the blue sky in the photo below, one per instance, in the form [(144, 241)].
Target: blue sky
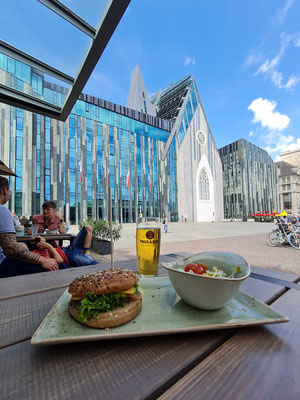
[(244, 56)]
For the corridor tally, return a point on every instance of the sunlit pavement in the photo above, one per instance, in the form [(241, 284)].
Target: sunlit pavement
[(244, 238)]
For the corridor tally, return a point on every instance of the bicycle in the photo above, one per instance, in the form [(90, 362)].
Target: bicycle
[(294, 239), (284, 234), (276, 238)]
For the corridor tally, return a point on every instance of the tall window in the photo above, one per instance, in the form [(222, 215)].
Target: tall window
[(203, 185), (287, 203)]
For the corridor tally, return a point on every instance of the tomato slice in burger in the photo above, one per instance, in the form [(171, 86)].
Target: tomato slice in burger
[(197, 269)]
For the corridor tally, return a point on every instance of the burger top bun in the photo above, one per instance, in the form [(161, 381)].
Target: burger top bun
[(103, 282)]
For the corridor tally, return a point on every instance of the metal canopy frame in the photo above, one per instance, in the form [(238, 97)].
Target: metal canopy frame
[(100, 39)]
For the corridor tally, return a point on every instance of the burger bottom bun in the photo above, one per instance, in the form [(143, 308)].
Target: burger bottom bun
[(110, 319)]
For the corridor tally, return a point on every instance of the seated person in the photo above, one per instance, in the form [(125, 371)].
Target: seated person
[(49, 219), (14, 258), (283, 219), (284, 225), (15, 218), (75, 254), (23, 220)]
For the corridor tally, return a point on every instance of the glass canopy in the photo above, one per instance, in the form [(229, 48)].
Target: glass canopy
[(62, 45)]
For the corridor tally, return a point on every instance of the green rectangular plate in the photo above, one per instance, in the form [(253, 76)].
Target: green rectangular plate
[(163, 313)]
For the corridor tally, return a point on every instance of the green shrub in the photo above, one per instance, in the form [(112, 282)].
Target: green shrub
[(101, 228), (88, 221)]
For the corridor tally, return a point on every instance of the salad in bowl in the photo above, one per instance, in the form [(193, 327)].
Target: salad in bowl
[(208, 280)]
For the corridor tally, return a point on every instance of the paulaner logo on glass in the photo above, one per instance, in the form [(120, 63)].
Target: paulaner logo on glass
[(149, 241), (149, 235)]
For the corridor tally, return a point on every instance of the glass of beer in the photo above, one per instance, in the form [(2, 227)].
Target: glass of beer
[(147, 245)]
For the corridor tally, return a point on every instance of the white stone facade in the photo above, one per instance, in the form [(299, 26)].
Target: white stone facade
[(192, 158)]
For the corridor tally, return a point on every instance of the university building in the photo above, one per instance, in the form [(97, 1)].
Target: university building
[(158, 156), (250, 180), (289, 182), (197, 172)]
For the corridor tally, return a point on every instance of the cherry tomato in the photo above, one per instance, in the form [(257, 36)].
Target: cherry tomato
[(195, 268)]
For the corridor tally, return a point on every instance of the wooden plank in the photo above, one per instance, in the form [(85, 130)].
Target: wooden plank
[(96, 370), (257, 363), (274, 273), (132, 369), (127, 369), (36, 283), (263, 291), (20, 317), (280, 282)]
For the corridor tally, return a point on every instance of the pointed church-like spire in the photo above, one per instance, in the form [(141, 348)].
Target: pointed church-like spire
[(138, 98)]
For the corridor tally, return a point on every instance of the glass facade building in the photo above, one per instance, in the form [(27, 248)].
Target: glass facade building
[(73, 163), (250, 180), (163, 163)]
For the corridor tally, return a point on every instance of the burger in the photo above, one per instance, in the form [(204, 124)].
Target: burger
[(105, 299)]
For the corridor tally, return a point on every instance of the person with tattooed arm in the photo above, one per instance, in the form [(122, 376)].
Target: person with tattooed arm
[(15, 258)]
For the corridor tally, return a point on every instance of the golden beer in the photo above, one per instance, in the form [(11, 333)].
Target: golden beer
[(147, 249)]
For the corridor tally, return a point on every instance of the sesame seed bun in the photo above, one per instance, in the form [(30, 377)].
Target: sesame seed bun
[(103, 282), (113, 318)]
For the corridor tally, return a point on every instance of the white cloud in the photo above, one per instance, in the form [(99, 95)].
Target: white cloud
[(254, 58), (277, 78), (293, 146), (188, 61), (292, 82), (281, 13), (264, 113), (268, 67), (282, 143), (272, 123), (296, 38)]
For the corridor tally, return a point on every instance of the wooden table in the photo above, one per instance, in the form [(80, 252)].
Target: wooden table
[(250, 363), (60, 237)]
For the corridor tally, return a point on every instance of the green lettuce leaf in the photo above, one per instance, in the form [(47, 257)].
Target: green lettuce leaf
[(91, 305)]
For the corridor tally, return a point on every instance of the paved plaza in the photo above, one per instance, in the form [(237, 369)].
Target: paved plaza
[(244, 238)]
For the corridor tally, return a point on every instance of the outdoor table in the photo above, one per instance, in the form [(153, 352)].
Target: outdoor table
[(260, 362), (49, 237)]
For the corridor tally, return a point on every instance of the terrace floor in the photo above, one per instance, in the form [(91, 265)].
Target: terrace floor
[(244, 238)]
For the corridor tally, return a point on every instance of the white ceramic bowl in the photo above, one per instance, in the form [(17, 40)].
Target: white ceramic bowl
[(205, 292)]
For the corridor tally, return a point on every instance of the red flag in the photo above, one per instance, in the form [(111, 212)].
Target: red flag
[(149, 182), (128, 179)]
